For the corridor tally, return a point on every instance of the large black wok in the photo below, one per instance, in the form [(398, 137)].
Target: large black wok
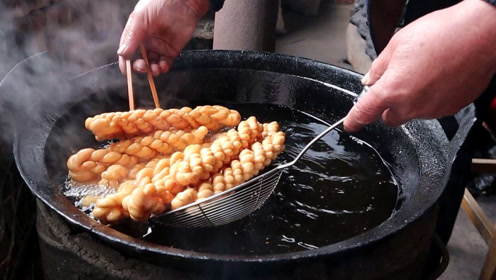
[(419, 153)]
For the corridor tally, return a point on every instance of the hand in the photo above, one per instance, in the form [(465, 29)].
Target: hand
[(431, 68), (164, 26)]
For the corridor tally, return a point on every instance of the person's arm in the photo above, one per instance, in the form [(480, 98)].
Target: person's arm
[(164, 27), (431, 68)]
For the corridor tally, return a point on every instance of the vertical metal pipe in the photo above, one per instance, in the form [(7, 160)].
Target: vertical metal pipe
[(246, 25)]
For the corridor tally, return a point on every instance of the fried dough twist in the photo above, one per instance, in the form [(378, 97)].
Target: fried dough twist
[(163, 159), (112, 162), (200, 163), (163, 142), (250, 162), (146, 199), (184, 198), (114, 174), (87, 164), (197, 162), (124, 125), (109, 208), (205, 190), (132, 199)]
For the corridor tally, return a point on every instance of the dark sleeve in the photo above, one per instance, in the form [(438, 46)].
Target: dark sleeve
[(216, 5), (492, 2), (483, 102), (418, 8)]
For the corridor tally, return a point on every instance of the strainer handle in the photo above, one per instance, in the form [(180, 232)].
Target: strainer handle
[(333, 126)]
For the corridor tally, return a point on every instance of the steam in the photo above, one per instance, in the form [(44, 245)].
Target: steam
[(77, 36)]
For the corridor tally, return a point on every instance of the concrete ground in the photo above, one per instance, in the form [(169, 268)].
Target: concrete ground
[(323, 38)]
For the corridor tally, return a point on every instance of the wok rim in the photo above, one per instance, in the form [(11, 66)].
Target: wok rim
[(397, 222)]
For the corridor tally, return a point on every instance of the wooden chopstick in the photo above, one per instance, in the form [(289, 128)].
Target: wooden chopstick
[(150, 77), (129, 84)]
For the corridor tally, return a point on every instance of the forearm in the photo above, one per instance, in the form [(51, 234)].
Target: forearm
[(481, 23)]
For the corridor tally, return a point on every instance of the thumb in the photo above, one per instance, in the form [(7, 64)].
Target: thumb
[(378, 67), (133, 35), (368, 108)]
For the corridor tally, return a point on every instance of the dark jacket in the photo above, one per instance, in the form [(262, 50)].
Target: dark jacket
[(216, 5)]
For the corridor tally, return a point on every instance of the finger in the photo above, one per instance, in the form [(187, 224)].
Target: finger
[(153, 57), (368, 108), (377, 68), (122, 65), (165, 63), (139, 65), (167, 48), (155, 69), (153, 63), (134, 33), (394, 118), (162, 64)]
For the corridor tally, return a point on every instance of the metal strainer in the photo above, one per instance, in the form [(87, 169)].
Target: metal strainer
[(236, 203)]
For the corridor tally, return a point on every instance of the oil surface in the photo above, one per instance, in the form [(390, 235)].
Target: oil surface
[(339, 189)]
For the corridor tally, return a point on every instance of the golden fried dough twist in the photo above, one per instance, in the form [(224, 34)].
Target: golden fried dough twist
[(109, 208), (184, 198), (274, 139), (167, 158), (251, 161), (116, 173), (113, 175), (205, 190), (201, 162), (195, 163), (151, 197), (146, 199), (163, 142), (135, 199), (88, 164), (124, 125)]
